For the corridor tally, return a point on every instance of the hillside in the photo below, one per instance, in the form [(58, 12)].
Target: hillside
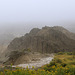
[(39, 39), (45, 40), (65, 31)]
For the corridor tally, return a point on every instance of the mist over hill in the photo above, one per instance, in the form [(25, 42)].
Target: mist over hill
[(45, 40), (11, 31), (56, 33), (7, 31)]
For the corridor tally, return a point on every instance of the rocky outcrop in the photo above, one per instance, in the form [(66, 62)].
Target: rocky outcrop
[(65, 31), (45, 40)]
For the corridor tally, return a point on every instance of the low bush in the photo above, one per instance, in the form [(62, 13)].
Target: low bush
[(72, 63), (63, 64), (60, 53), (69, 53), (58, 61), (52, 63)]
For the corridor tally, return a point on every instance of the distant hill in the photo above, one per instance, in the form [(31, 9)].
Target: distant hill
[(45, 40)]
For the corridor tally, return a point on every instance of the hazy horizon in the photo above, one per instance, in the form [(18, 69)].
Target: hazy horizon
[(47, 12), (20, 16)]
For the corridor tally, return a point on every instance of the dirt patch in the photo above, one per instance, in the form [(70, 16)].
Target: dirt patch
[(31, 57)]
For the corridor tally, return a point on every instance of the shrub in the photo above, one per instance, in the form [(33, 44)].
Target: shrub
[(60, 53), (72, 63), (58, 61), (63, 64), (52, 63), (69, 53)]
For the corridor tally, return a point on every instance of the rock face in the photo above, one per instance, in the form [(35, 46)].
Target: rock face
[(65, 31), (45, 40)]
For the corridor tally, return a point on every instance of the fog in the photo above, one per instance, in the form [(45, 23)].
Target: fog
[(37, 12), (18, 17)]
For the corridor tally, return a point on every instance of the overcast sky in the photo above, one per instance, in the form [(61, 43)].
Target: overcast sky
[(42, 12)]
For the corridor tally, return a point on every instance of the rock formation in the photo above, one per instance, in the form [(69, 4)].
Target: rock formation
[(45, 40)]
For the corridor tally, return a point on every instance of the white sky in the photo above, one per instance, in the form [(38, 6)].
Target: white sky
[(37, 10), (47, 12)]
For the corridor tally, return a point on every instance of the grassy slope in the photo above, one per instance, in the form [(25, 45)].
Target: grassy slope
[(66, 58)]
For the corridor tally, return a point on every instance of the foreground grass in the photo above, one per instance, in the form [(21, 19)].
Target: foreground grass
[(62, 64)]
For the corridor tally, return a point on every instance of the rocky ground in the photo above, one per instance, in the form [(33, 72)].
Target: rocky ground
[(37, 61)]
